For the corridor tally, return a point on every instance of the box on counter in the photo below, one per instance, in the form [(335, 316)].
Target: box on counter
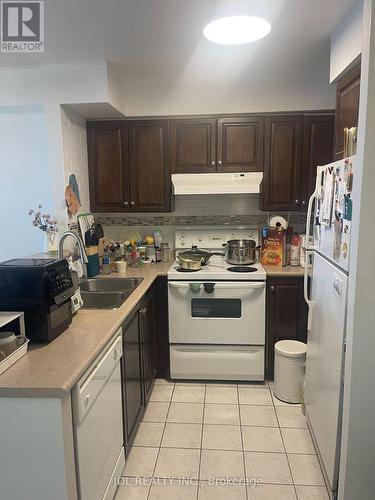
[(275, 246)]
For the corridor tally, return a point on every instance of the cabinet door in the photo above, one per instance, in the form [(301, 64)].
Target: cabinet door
[(107, 160), (193, 145), (132, 379), (150, 183), (347, 104), (240, 144), (317, 150), (286, 315), (148, 341), (282, 162)]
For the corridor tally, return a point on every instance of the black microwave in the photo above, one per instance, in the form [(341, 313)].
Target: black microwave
[(42, 289)]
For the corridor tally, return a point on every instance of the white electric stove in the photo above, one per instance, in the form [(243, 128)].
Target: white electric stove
[(216, 314)]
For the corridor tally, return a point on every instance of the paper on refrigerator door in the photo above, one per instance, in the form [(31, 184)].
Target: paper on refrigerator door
[(327, 198)]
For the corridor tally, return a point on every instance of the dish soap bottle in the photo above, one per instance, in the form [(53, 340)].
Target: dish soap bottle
[(106, 262)]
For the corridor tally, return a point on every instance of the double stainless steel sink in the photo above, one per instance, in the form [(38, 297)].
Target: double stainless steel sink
[(107, 293)]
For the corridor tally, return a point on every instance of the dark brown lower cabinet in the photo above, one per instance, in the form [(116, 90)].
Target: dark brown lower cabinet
[(286, 315), (131, 378), (145, 353)]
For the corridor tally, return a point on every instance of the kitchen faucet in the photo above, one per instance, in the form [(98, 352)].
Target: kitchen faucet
[(82, 251)]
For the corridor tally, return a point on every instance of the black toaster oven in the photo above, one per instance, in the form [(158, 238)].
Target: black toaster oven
[(42, 289)]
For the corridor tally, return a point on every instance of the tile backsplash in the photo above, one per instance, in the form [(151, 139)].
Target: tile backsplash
[(74, 143), (207, 210)]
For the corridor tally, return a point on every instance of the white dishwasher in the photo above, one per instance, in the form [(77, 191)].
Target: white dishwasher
[(98, 425)]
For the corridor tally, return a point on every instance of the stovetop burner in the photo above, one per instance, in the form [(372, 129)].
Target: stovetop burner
[(182, 270), (242, 269)]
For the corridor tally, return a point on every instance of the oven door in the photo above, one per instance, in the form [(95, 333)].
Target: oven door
[(223, 312)]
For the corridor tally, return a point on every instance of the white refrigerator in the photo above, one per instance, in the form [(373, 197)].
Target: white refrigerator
[(326, 281)]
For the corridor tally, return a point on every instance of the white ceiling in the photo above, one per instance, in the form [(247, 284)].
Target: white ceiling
[(161, 41)]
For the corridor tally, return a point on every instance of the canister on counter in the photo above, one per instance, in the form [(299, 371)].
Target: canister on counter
[(295, 250)]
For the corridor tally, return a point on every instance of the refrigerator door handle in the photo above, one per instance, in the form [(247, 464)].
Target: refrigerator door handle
[(309, 302), (309, 236)]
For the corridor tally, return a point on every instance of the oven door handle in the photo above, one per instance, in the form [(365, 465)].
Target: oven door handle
[(228, 286), (240, 286)]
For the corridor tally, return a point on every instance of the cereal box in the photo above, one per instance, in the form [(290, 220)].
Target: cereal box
[(275, 246)]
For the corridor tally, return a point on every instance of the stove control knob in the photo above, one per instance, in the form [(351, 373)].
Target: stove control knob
[(182, 243)]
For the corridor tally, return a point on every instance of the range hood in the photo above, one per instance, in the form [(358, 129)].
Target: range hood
[(235, 183)]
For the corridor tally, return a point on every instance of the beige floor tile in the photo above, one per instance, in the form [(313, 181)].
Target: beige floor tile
[(223, 395), (162, 393), (209, 491), (267, 467), (271, 492), (156, 411), (163, 381), (262, 439), (173, 490), (186, 413), (298, 441), (291, 417), (193, 383), (222, 384), (249, 396), (141, 462), (177, 462), (258, 415), (306, 470), (188, 394), (221, 464), (312, 493), (149, 434), (278, 402), (222, 437), (131, 490), (255, 385), (182, 436), (221, 414)]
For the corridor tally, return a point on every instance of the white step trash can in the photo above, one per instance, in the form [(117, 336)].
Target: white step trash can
[(290, 358)]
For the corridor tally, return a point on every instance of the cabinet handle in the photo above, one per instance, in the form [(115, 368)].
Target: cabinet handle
[(297, 202), (219, 163), (303, 202), (126, 203), (132, 203), (212, 163), (273, 288), (143, 310)]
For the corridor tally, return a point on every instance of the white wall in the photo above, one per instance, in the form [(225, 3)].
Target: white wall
[(358, 442), (260, 95), (25, 178), (346, 42)]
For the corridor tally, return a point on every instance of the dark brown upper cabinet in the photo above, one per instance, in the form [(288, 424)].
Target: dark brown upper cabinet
[(193, 145), (149, 166), (281, 187), (240, 144), (107, 159), (129, 166), (317, 150), (347, 105)]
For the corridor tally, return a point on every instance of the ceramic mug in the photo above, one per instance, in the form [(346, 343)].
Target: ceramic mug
[(9, 342), (121, 266)]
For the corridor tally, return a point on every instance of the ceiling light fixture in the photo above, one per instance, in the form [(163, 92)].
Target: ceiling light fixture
[(237, 30)]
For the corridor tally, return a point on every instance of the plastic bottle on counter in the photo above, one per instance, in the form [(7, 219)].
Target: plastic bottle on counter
[(295, 250), (106, 262)]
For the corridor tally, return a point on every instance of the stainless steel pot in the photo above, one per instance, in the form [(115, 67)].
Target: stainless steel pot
[(190, 262), (241, 252), (198, 252)]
